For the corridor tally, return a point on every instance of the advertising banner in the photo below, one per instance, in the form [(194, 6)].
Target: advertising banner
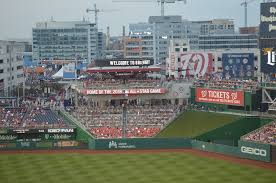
[(268, 20), (227, 97), (125, 92), (139, 143), (195, 64), (268, 49), (31, 131), (255, 151), (124, 62), (69, 71), (238, 65)]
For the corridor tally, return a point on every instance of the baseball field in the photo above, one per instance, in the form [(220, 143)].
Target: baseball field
[(138, 166), (117, 167)]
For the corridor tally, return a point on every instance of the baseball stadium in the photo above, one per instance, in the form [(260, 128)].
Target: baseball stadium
[(195, 116), (123, 123)]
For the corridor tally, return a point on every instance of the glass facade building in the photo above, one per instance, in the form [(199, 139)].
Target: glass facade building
[(65, 41), (228, 41)]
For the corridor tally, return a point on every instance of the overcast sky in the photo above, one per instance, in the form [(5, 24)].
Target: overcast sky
[(17, 17)]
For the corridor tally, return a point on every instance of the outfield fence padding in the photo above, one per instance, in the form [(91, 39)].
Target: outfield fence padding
[(248, 150), (139, 143), (255, 151), (49, 145), (216, 148), (273, 154)]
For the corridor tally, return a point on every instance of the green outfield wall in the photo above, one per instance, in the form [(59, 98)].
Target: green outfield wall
[(255, 151), (216, 148), (139, 143), (247, 150), (51, 145), (230, 134)]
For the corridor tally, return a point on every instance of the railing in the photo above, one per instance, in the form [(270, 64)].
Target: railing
[(76, 122), (268, 84)]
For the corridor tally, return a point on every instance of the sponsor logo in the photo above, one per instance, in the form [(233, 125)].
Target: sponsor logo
[(254, 151), (266, 50), (195, 64), (112, 144), (120, 145), (21, 131), (60, 130), (204, 93), (25, 144), (271, 58), (8, 137)]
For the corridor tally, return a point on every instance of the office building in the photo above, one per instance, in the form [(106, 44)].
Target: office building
[(228, 41), (11, 66), (65, 41), (216, 26), (140, 42)]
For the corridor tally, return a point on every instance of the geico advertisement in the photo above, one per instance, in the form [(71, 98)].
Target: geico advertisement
[(227, 97), (253, 151)]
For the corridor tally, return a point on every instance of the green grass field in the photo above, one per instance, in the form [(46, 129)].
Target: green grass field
[(192, 124), (126, 168)]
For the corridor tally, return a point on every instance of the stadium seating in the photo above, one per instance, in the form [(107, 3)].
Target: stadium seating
[(265, 134), (118, 84), (142, 121), (34, 117), (227, 84)]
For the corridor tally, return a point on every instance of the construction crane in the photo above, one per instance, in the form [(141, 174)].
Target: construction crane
[(96, 11), (162, 2), (245, 3)]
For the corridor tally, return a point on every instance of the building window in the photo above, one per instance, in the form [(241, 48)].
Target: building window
[(19, 67), (20, 76), (1, 61), (1, 71)]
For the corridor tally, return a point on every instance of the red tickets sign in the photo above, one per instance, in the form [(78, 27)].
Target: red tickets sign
[(125, 92), (227, 97)]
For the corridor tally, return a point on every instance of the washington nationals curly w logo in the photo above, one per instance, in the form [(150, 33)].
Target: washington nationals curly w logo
[(195, 64)]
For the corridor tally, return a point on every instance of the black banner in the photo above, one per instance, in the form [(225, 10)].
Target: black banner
[(124, 62), (268, 20), (30, 131)]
